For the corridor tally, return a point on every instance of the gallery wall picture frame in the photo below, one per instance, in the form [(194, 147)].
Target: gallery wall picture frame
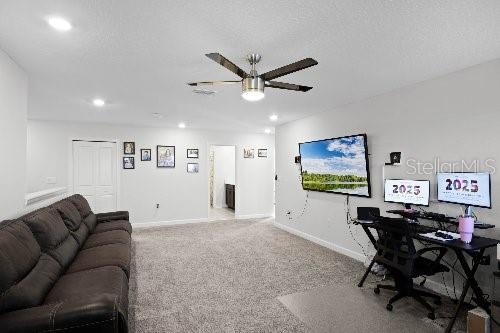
[(193, 168), (165, 156), (248, 153), (146, 154), (192, 153), (262, 153), (128, 162), (129, 148)]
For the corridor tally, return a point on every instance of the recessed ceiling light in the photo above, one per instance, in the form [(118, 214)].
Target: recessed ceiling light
[(267, 131), (273, 117), (182, 125), (98, 102), (59, 23)]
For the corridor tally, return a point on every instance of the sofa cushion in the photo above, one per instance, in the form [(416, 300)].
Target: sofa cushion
[(100, 256), (95, 314), (81, 204), (26, 275), (48, 228), (81, 234), (69, 214), (53, 235), (107, 237), (109, 280), (113, 225), (90, 221)]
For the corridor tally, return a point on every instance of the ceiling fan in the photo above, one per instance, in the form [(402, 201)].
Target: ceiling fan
[(252, 83)]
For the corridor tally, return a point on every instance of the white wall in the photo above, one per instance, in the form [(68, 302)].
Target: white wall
[(181, 196), (453, 118), (224, 172), (13, 114)]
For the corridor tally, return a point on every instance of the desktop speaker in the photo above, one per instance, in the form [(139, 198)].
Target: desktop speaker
[(368, 213), (395, 157)]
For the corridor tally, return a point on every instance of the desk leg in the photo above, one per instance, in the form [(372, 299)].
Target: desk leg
[(368, 270), (480, 300), (370, 236), (374, 242), (469, 272)]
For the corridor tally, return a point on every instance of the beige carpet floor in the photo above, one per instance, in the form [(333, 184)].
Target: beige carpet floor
[(227, 277)]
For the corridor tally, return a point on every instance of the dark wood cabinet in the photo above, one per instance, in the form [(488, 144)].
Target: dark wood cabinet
[(230, 189)]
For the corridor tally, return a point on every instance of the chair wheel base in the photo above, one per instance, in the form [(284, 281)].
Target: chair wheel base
[(431, 315), (376, 291), (389, 307)]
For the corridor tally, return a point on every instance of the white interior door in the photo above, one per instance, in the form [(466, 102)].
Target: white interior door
[(94, 173)]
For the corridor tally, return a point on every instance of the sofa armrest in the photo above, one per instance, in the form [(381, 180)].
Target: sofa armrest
[(111, 216), (96, 313)]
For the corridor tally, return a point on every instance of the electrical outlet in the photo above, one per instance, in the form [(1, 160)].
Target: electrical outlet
[(157, 205), (51, 180), (485, 260)]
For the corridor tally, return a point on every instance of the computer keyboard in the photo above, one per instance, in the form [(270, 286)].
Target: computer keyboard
[(436, 216), (441, 235)]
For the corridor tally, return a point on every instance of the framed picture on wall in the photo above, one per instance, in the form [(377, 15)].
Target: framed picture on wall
[(192, 153), (248, 153), (128, 162), (193, 167), (129, 148), (262, 152), (165, 156), (145, 154)]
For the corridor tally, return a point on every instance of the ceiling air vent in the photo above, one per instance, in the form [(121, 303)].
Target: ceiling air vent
[(204, 91)]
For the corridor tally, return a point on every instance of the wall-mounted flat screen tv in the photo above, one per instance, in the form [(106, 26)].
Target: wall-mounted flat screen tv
[(338, 165)]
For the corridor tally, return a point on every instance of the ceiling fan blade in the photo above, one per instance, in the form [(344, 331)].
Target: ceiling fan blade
[(223, 61), (288, 69), (211, 83), (287, 86)]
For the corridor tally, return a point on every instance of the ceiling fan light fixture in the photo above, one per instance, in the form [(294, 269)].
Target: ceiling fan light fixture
[(252, 96), (253, 89)]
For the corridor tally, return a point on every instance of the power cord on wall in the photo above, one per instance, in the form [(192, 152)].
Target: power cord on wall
[(303, 210), (349, 221), (288, 213)]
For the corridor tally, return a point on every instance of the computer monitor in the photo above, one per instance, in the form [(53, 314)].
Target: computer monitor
[(407, 191), (465, 188)]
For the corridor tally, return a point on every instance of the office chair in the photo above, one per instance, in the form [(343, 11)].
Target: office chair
[(396, 251)]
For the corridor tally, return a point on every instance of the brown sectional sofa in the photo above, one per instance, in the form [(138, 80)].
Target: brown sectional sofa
[(65, 269)]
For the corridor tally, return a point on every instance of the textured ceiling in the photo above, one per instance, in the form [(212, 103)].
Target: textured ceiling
[(138, 55)]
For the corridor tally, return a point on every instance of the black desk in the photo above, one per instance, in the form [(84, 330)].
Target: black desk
[(475, 249), (447, 219)]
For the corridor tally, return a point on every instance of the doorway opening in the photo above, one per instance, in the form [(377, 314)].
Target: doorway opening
[(222, 182)]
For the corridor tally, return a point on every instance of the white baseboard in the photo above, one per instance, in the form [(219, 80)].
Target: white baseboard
[(252, 216), (139, 225), (332, 246)]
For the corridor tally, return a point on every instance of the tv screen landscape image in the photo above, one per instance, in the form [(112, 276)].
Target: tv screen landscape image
[(338, 165)]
